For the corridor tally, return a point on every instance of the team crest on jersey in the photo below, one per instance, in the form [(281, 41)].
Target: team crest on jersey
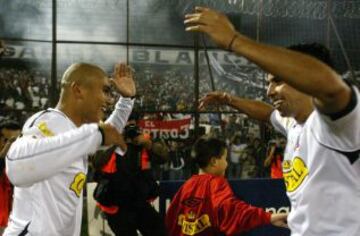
[(190, 225), (78, 183), (44, 129), (294, 173)]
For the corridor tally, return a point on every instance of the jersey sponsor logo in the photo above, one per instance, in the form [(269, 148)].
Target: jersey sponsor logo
[(294, 173), (277, 210), (192, 202), (190, 225), (78, 183), (44, 129)]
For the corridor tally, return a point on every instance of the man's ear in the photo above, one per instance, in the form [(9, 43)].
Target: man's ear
[(76, 90), (213, 161)]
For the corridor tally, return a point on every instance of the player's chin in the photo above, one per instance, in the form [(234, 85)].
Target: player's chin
[(283, 112), (98, 116), (101, 116)]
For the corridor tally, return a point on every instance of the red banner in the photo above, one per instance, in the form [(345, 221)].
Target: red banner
[(166, 129)]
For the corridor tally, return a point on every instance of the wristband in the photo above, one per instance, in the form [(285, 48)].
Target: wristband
[(229, 48)]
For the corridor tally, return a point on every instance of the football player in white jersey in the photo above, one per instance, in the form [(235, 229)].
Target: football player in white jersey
[(317, 111), (49, 162)]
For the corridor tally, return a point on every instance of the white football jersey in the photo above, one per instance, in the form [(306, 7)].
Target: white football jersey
[(321, 170), (48, 166)]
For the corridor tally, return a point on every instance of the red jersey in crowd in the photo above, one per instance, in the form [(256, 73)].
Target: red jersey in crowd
[(206, 205), (5, 199)]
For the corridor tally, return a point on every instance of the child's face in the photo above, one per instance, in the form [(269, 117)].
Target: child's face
[(221, 164)]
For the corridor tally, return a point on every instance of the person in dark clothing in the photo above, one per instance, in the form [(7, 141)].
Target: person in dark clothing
[(126, 186), (258, 152)]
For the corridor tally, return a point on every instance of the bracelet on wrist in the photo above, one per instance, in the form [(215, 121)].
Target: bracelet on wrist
[(229, 48)]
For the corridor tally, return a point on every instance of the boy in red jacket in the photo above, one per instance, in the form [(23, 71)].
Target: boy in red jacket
[(206, 205)]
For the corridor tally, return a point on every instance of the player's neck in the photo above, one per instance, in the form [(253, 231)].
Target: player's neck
[(69, 111), (207, 170), (304, 113)]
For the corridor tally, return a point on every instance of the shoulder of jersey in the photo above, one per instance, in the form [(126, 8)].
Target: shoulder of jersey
[(47, 123)]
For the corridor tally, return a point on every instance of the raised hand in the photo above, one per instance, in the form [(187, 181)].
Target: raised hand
[(213, 23), (214, 98), (124, 80), (279, 220)]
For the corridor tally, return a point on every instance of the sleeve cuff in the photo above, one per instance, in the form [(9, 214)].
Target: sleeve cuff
[(267, 218)]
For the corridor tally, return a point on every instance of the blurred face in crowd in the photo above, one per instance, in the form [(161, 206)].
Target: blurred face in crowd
[(287, 100), (237, 140), (256, 142), (6, 134), (220, 164)]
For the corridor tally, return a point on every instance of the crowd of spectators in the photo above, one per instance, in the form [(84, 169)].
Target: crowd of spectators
[(161, 88), (171, 88), (23, 92), (251, 150)]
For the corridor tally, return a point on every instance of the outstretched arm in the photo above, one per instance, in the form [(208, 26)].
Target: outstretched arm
[(235, 216), (300, 71), (254, 109)]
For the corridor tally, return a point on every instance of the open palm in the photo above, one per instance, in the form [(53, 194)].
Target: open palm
[(124, 80)]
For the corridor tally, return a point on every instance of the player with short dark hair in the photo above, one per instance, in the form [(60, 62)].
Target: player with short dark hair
[(317, 111)]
